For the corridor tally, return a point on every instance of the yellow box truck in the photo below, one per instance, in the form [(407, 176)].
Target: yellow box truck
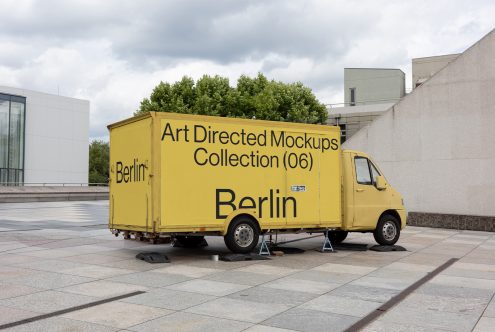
[(187, 176)]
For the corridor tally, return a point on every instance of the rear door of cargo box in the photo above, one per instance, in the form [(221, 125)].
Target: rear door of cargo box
[(313, 178), (130, 169)]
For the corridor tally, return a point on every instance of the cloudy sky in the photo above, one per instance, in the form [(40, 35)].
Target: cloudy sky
[(113, 52)]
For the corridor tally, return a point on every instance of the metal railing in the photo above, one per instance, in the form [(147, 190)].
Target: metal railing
[(364, 102), (55, 184)]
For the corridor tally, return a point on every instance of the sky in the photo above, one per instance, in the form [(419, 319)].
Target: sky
[(113, 52)]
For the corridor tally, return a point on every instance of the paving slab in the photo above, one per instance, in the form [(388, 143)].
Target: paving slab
[(48, 280), (381, 326), (490, 310), (188, 271), (383, 282), (102, 288), (47, 301), (151, 279), (10, 315), (8, 290), (242, 277), (263, 294), (117, 314), (454, 291), (93, 258), (473, 266), (188, 322), (169, 299), (345, 268), (264, 328), (464, 282), (432, 319), (409, 267), (311, 320), (9, 258), (96, 271), (49, 253), (59, 324), (460, 305), (131, 264), (329, 277), (10, 272), (341, 305), (306, 286), (245, 311), (50, 265), (208, 287), (265, 268), (485, 324), (397, 275), (373, 294), (470, 273)]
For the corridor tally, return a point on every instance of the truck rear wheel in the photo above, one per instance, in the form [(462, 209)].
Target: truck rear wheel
[(337, 237), (242, 236), (387, 230)]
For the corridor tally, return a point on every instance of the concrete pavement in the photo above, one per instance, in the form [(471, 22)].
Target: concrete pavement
[(60, 255)]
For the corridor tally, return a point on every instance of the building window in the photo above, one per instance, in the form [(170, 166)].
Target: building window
[(353, 97), (12, 125), (343, 133)]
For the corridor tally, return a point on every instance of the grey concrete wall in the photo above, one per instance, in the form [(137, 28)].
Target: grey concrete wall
[(437, 145)]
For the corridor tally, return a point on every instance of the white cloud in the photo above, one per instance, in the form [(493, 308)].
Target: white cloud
[(114, 52)]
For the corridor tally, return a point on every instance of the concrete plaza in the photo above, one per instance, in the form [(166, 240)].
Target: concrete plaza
[(59, 255)]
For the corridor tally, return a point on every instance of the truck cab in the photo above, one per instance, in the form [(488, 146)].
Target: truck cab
[(369, 202)]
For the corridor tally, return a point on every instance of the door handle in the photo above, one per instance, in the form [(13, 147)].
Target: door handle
[(359, 190)]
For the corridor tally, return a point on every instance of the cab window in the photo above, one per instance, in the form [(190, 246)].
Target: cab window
[(363, 175), (374, 172)]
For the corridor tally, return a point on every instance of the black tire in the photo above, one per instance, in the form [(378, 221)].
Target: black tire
[(242, 236), (387, 230), (189, 241), (337, 237)]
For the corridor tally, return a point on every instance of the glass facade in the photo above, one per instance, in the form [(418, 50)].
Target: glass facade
[(12, 132)]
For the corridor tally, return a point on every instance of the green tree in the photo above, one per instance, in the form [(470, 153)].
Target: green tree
[(252, 98), (98, 162)]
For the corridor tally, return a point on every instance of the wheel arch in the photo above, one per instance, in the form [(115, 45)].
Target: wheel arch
[(392, 213), (239, 214)]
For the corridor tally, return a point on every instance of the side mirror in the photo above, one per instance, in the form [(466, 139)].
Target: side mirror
[(380, 183)]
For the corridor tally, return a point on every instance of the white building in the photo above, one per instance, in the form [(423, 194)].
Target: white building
[(368, 92), (437, 145), (364, 86), (43, 137)]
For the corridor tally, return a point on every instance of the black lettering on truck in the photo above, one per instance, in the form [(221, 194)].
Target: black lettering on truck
[(130, 173), (277, 206)]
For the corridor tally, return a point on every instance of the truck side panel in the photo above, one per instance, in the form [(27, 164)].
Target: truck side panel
[(213, 167)]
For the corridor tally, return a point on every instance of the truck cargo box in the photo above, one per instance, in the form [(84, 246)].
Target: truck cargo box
[(175, 173)]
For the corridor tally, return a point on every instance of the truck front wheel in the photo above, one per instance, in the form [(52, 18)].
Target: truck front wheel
[(242, 236), (387, 230)]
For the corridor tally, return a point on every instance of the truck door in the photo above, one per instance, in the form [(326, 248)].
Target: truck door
[(369, 202)]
